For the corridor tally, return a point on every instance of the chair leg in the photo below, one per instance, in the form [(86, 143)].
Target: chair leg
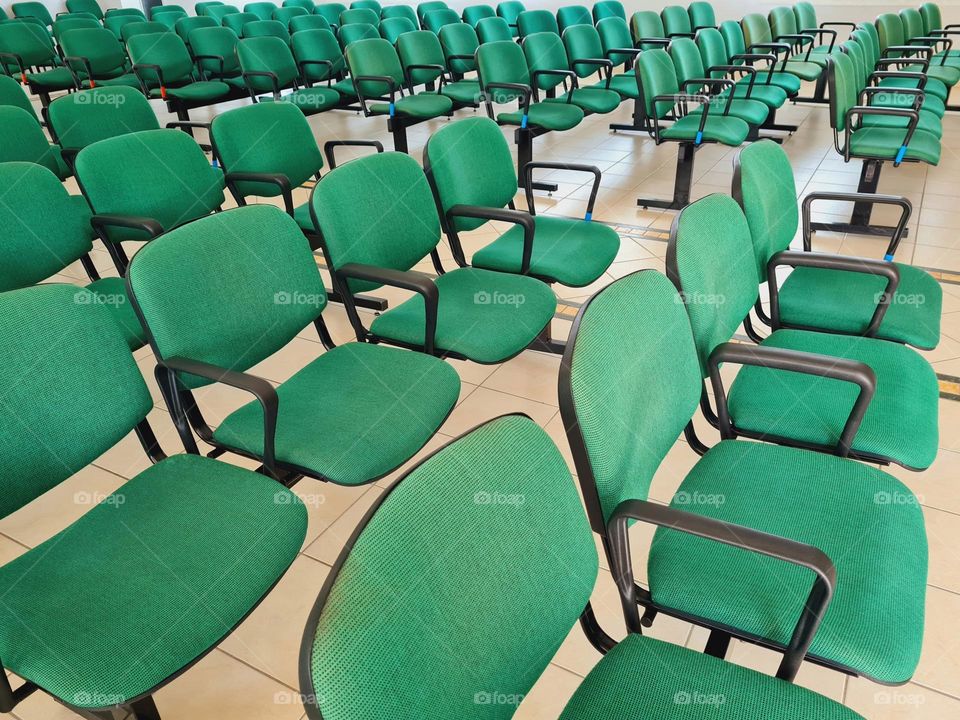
[(544, 342), (860, 217), (399, 130), (144, 709), (682, 183), (772, 124), (524, 139), (819, 92), (635, 126), (602, 642)]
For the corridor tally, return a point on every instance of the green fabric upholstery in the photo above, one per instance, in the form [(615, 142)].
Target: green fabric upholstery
[(34, 45), (237, 21), (928, 123), (608, 8), (106, 60), (330, 11), (220, 45), (23, 139), (615, 34), (349, 34), (112, 292), (142, 28), (425, 106), (169, 52), (509, 11), (308, 22), (396, 11), (676, 20), (369, 4), (286, 14), (460, 39), (427, 7), (733, 37), (436, 19), (545, 51), (364, 16), (116, 23), (185, 26), (463, 92), (648, 678), (530, 565), (421, 47), (624, 85), (727, 130), (266, 28), (868, 523), (147, 174), (392, 28), (572, 15), (90, 6), (267, 54), (472, 14), (930, 13), (32, 10), (596, 99), (68, 22), (701, 15), (658, 76), (80, 400), (885, 143), (263, 10), (12, 94), (583, 42), (369, 410), (377, 57), (129, 575), (646, 24), (240, 314), (494, 30), (537, 21), (548, 115)]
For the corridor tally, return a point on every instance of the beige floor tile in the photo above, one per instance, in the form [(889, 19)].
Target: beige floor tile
[(485, 404), (530, 375), (908, 702), (328, 546), (943, 539), (940, 662), (549, 696)]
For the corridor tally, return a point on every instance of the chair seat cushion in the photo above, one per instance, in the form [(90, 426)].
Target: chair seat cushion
[(884, 143), (932, 87), (369, 409), (624, 85), (465, 92), (773, 96), (483, 315), (752, 112), (112, 292), (930, 104), (426, 105), (591, 99), (900, 423), (200, 91), (867, 522), (346, 88), (571, 252), (125, 80), (844, 302), (550, 116), (815, 58), (301, 213), (803, 70), (722, 129), (313, 99), (147, 581), (790, 83), (949, 75), (56, 79), (929, 122), (630, 682)]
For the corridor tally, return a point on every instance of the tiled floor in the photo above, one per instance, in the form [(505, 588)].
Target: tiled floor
[(254, 675)]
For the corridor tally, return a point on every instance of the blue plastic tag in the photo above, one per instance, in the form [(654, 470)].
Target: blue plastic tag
[(888, 257), (588, 217), (392, 109), (699, 138), (523, 121), (900, 153)]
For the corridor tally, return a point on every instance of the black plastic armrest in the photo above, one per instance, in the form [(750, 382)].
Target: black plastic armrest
[(138, 67), (101, 222), (807, 556), (922, 49), (851, 371), (849, 25), (278, 179), (733, 68), (881, 74), (7, 56), (385, 79), (797, 38), (864, 266), (653, 41), (601, 63), (329, 145), (896, 62), (218, 58), (325, 63), (514, 217), (405, 280), (274, 80), (860, 110), (754, 56), (777, 47), (623, 51), (265, 393), (180, 124), (565, 74), (906, 210), (528, 181), (681, 35), (440, 69), (70, 60), (461, 57), (525, 91)]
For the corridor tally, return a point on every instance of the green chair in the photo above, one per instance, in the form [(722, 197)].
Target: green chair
[(733, 38), (504, 78), (510, 10), (12, 94), (266, 29), (220, 11), (349, 34), (47, 230), (307, 5), (26, 49), (378, 75), (571, 15), (224, 533), (320, 59), (308, 22), (816, 296), (529, 562), (460, 43), (263, 10), (142, 28), (794, 408), (260, 313), (90, 6), (806, 15), (647, 31), (135, 184), (537, 21), (116, 23), (214, 50), (330, 12), (170, 19), (286, 15), (617, 46), (237, 21), (204, 7), (159, 10), (806, 44), (187, 25), (915, 30), (428, 7), (757, 35), (493, 30), (897, 42), (436, 19), (125, 12), (661, 99), (400, 11), (370, 240), (369, 4), (826, 514), (472, 14), (68, 22), (269, 67), (392, 28), (676, 22), (585, 50), (574, 253), (424, 63), (718, 64), (364, 16), (701, 15), (22, 140), (607, 9), (32, 10), (96, 58), (549, 69)]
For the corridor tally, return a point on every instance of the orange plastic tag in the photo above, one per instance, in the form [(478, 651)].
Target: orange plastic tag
[(23, 78), (163, 93)]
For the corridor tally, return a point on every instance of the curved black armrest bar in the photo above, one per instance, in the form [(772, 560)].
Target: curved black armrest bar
[(860, 110), (796, 38), (897, 62), (564, 74), (70, 60), (774, 546), (683, 98), (278, 179), (265, 393), (944, 31), (274, 80), (218, 58), (850, 371), (747, 57), (906, 210), (180, 124), (525, 91), (864, 266), (515, 217), (602, 63), (440, 69), (881, 74), (138, 67), (713, 87), (101, 222), (908, 51), (868, 92), (623, 51), (729, 70), (777, 48), (329, 145), (385, 79), (303, 64), (21, 68), (836, 23), (528, 181), (653, 41), (818, 33), (405, 280)]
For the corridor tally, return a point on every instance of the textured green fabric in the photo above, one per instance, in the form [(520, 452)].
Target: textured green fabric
[(646, 24), (420, 47), (868, 523), (267, 54), (308, 22), (573, 15), (424, 106), (752, 112), (171, 562), (185, 26), (478, 568), (537, 21), (330, 11), (311, 45), (374, 57), (11, 93), (623, 85), (591, 99), (142, 28), (23, 140), (930, 12), (806, 16), (112, 292), (885, 143), (159, 174), (369, 4), (369, 409), (361, 16), (460, 39), (814, 409), (392, 28), (68, 22), (90, 6), (933, 89), (646, 678), (548, 115), (86, 117), (634, 341), (465, 92), (608, 8), (166, 50), (676, 20), (32, 9), (34, 45), (702, 15), (494, 30), (239, 312), (756, 29), (502, 61), (615, 34), (727, 130), (221, 43), (236, 21), (266, 138), (349, 34), (545, 51), (286, 15), (202, 91), (946, 74), (770, 95), (62, 409), (436, 19), (472, 14), (404, 11), (658, 76), (266, 28), (263, 10), (929, 123), (509, 11), (583, 41), (427, 7), (571, 252)]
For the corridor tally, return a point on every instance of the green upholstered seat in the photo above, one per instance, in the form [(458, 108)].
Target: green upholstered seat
[(788, 82), (867, 522), (112, 292), (472, 14), (312, 99), (727, 130), (615, 35), (200, 91), (929, 123), (215, 49), (733, 38), (392, 28), (608, 8), (494, 30), (104, 112), (595, 99), (168, 51), (12, 93), (104, 61), (757, 31), (885, 143), (933, 88), (459, 43), (624, 84), (773, 96), (346, 88), (466, 92), (32, 43), (313, 49), (369, 410), (546, 51), (548, 115), (23, 139), (423, 106)]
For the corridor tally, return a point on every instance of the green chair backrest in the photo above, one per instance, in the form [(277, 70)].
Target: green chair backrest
[(392, 28), (854, 48), (436, 19), (842, 80), (537, 21), (170, 19), (307, 5), (164, 9), (30, 41), (868, 48), (219, 12), (611, 348), (502, 61), (187, 25), (208, 290), (129, 12), (369, 4), (460, 39), (302, 23), (658, 76), (98, 46), (806, 15), (510, 10), (263, 10), (12, 94), (890, 31), (267, 54), (676, 20), (288, 149), (61, 410), (687, 61), (572, 15), (912, 23), (469, 163), (428, 7), (23, 140), (545, 51), (236, 21), (420, 47), (310, 46), (494, 30), (765, 189), (116, 23), (359, 15), (756, 29), (349, 34), (783, 21), (44, 229), (142, 28), (873, 37), (374, 56), (286, 14), (582, 42), (203, 8), (356, 210), (166, 50), (330, 12), (530, 564), (400, 11), (646, 24), (615, 35), (609, 9), (216, 51), (32, 10), (713, 51), (733, 37), (90, 6), (67, 22), (266, 28), (710, 258), (701, 15), (159, 174), (932, 20), (88, 116), (472, 14)]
